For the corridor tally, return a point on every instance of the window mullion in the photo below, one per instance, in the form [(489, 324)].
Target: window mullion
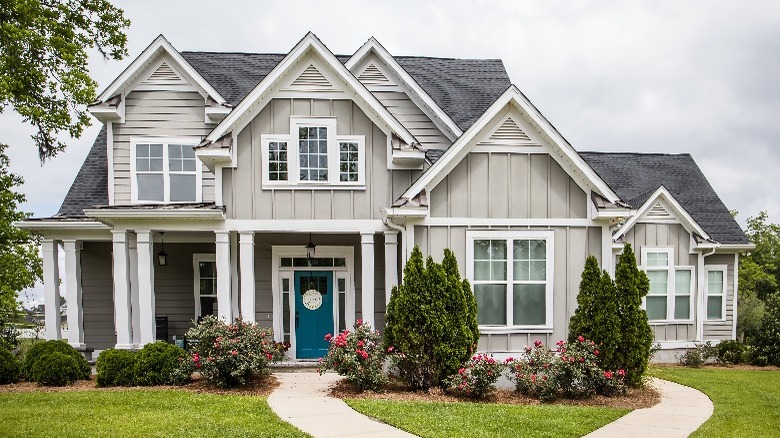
[(510, 284), (671, 283), (166, 175)]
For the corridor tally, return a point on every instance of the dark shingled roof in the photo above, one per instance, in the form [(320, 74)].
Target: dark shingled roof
[(634, 177), (463, 88), (91, 184)]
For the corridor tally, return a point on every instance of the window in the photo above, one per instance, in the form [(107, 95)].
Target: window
[(716, 292), (671, 287), (165, 170), (205, 267), (319, 157), (511, 273)]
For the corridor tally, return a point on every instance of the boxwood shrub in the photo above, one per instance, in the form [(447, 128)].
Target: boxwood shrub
[(159, 363), (116, 368), (10, 368), (41, 349), (56, 369)]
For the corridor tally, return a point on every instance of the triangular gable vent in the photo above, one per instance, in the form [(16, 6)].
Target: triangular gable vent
[(373, 76), (164, 74), (509, 131), (311, 79), (658, 211)]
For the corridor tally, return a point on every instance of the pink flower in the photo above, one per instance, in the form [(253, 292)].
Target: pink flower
[(596, 352), (538, 344), (621, 372), (461, 371), (359, 322), (390, 349), (269, 356), (580, 338), (360, 343), (362, 354), (234, 353), (560, 343), (608, 374), (328, 337)]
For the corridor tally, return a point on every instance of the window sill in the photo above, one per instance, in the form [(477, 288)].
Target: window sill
[(672, 321), (716, 322), (313, 186), (494, 330)]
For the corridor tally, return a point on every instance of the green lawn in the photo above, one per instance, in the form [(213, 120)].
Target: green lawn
[(747, 403), (432, 419), (162, 413)]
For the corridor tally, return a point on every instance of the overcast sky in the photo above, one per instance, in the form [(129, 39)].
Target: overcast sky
[(701, 77)]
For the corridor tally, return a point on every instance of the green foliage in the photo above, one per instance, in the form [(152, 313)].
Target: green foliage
[(431, 321), (477, 378), (596, 317), (116, 368), (358, 355), (759, 274), (10, 368), (44, 74), (56, 369), (157, 364), (631, 285), (766, 342), (731, 352), (41, 349), (696, 357), (749, 314)]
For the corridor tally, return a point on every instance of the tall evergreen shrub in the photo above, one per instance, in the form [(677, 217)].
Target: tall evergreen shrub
[(766, 342), (431, 321)]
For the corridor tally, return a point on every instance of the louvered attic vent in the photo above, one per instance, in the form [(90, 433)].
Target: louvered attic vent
[(311, 79), (373, 76), (658, 211), (164, 75), (509, 131)]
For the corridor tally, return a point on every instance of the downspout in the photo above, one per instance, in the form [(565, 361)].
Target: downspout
[(389, 223)]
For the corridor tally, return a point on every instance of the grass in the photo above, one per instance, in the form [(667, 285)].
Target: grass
[(747, 402), (125, 413), (435, 419)]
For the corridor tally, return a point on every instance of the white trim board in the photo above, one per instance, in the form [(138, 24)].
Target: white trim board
[(662, 194)]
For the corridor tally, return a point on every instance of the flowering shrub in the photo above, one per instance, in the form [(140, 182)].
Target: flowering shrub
[(477, 378), (358, 355), (227, 354), (570, 371)]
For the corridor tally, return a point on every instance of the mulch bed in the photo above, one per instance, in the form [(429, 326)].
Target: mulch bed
[(260, 386), (395, 390)]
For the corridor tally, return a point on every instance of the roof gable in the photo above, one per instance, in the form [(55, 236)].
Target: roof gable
[(662, 206)]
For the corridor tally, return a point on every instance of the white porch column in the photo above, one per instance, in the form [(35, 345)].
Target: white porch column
[(247, 243), (391, 264), (367, 267), (135, 313), (73, 293), (121, 291), (235, 306), (146, 310), (224, 307), (51, 288)]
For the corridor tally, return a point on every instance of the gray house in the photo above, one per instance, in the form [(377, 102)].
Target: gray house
[(290, 190)]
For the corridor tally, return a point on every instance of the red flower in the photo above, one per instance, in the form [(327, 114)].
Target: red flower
[(621, 372), (390, 349), (608, 374), (360, 343), (580, 338), (234, 353), (328, 337), (461, 371), (596, 352), (538, 344)]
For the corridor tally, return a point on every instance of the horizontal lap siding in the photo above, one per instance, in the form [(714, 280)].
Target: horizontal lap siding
[(246, 199), (722, 330), (158, 114), (413, 118), (97, 295)]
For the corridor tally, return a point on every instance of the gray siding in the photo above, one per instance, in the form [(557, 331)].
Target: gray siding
[(503, 185), (245, 199), (97, 295), (413, 118), (158, 114), (722, 330)]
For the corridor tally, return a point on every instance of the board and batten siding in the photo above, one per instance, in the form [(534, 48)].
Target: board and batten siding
[(413, 118), (157, 114), (572, 247), (246, 199), (97, 295), (720, 330), (508, 185), (667, 235)]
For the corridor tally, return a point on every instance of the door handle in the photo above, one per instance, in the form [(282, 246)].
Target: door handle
[(297, 318)]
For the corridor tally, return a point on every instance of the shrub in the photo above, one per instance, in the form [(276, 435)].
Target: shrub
[(157, 364), (358, 355), (431, 321), (696, 357), (9, 334), (731, 352), (477, 377), (56, 369), (10, 368), (227, 354), (116, 368), (766, 342), (41, 349)]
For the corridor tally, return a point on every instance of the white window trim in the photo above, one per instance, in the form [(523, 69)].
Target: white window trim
[(196, 259), (671, 283), (509, 236), (165, 141), (293, 174), (707, 270), (691, 290)]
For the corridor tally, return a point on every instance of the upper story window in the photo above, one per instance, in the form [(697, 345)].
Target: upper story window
[(512, 273), (671, 287), (313, 155), (165, 170)]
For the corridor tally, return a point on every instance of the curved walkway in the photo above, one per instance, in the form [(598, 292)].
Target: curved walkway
[(302, 400), (681, 411)]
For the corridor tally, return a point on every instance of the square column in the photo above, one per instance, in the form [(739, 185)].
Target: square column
[(224, 306), (391, 263), (73, 293), (121, 274), (367, 268), (135, 314), (146, 311), (247, 244), (235, 306), (51, 289)]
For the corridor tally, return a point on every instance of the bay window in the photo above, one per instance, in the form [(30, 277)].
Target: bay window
[(164, 170), (671, 287)]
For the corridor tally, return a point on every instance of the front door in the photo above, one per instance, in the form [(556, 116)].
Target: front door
[(313, 313)]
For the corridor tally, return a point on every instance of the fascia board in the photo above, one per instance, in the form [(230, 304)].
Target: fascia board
[(662, 193)]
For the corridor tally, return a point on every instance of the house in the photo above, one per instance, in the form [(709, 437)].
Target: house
[(290, 189)]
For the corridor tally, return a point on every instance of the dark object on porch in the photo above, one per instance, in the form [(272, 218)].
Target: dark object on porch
[(161, 328)]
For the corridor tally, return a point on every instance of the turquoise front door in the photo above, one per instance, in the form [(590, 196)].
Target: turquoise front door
[(313, 313)]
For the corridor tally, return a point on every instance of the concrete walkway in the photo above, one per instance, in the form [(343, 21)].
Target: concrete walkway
[(302, 400), (681, 411)]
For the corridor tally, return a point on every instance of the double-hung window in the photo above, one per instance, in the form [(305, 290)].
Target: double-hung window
[(671, 287), (164, 170), (716, 292), (511, 274), (313, 155)]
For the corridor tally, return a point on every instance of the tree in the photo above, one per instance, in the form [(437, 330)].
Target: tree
[(43, 62), (431, 321), (759, 274), (766, 341)]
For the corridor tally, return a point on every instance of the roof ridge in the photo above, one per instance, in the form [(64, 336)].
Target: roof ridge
[(665, 154), (445, 58)]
